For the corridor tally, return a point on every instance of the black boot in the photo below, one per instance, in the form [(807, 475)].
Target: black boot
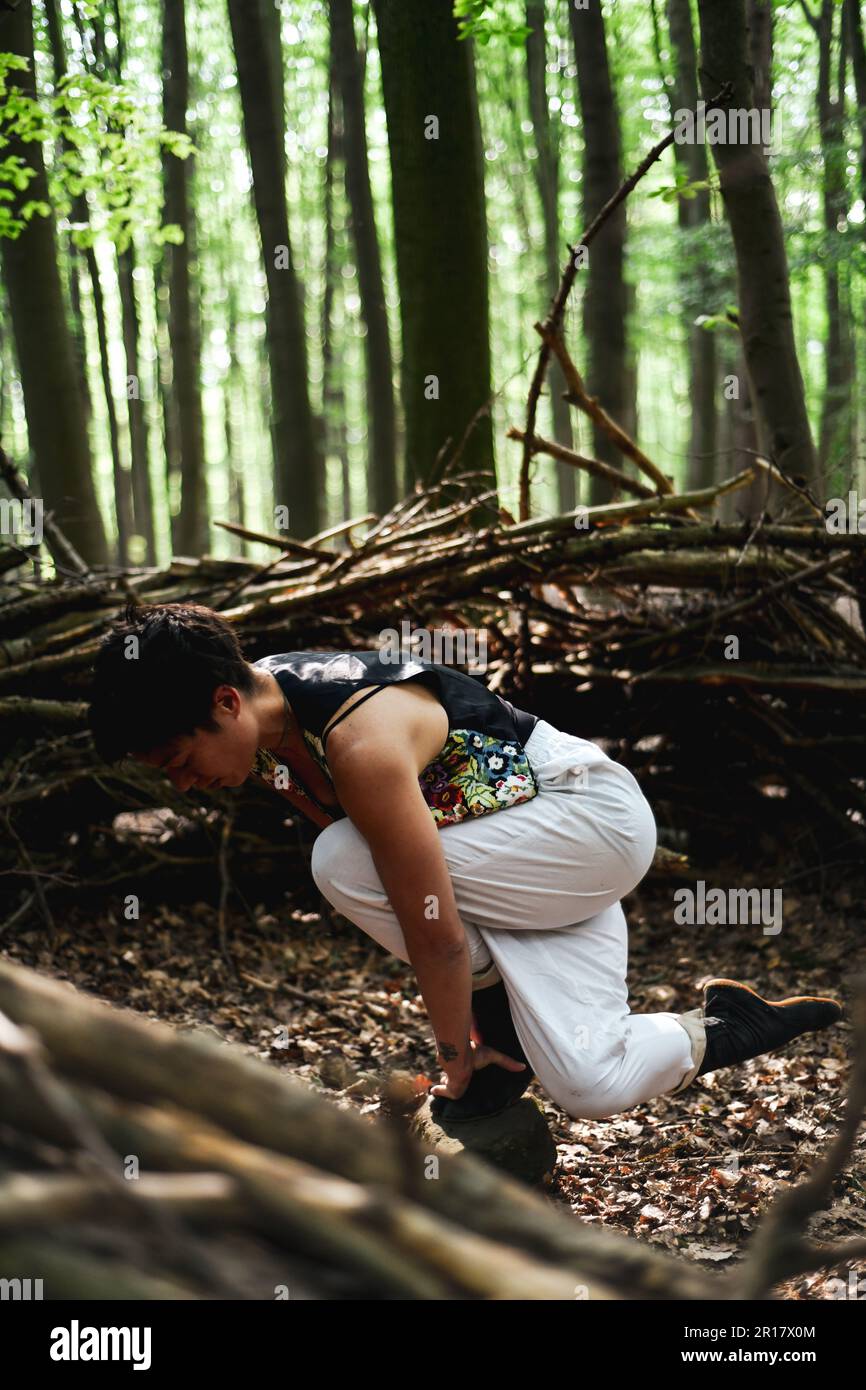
[(740, 1024), (492, 1089)]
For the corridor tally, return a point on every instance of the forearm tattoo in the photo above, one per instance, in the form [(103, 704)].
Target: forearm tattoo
[(448, 1051)]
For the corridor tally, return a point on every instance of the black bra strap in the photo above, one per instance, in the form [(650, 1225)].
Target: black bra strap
[(351, 710)]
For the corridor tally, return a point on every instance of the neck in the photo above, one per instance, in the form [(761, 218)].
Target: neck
[(274, 715)]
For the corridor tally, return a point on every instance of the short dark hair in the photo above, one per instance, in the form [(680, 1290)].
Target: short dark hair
[(184, 651)]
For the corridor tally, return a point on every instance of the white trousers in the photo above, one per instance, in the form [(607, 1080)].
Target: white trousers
[(538, 889)]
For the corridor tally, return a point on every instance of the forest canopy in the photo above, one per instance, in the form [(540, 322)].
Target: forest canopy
[(260, 313)]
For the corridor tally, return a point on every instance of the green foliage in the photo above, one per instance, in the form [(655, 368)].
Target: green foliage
[(478, 21), (712, 322), (111, 144), (684, 187), (680, 275)]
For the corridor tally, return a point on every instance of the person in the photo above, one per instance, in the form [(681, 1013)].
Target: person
[(471, 839)]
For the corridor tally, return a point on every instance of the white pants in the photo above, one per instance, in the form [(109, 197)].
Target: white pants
[(538, 889)]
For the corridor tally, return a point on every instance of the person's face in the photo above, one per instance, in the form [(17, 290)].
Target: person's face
[(222, 757)]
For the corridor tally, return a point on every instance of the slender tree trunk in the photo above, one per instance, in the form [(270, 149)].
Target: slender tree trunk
[(748, 432), (847, 280), (762, 265), (382, 472), (857, 49), (694, 213), (834, 437), (232, 391), (73, 258), (272, 33), (764, 496), (142, 494), (167, 401), (10, 387), (333, 396), (437, 178), (5, 383), (121, 475), (725, 435), (546, 169), (703, 390), (81, 216), (184, 330), (79, 338), (743, 438), (507, 92), (56, 421), (297, 460), (605, 301)]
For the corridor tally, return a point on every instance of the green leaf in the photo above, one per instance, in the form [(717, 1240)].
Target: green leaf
[(170, 232), (712, 322)]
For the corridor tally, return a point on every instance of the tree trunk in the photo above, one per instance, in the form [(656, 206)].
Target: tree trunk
[(79, 339), (56, 421), (79, 336), (835, 444), (192, 531), (232, 391), (297, 462), (382, 469), (142, 494), (81, 216), (605, 300), (743, 440), (762, 266), (694, 213), (120, 475), (546, 169), (857, 49), (437, 178), (333, 395), (167, 400)]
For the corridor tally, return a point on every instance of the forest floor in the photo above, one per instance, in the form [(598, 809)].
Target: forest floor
[(691, 1172)]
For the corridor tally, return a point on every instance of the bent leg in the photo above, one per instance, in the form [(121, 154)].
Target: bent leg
[(566, 988), (569, 1001), (563, 857), (344, 872)]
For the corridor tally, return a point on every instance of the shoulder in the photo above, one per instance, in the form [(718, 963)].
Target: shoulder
[(401, 726)]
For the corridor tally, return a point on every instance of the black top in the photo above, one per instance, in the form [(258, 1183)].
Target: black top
[(317, 683), (482, 766)]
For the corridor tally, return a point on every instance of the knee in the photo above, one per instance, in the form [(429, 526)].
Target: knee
[(585, 1097), (583, 1079)]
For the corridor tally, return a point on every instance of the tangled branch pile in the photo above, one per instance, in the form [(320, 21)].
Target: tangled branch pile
[(137, 1162), (613, 623)]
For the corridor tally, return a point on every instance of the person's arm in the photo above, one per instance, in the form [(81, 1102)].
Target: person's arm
[(395, 820)]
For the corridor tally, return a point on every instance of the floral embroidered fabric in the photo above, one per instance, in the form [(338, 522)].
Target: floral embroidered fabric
[(475, 773), (266, 766)]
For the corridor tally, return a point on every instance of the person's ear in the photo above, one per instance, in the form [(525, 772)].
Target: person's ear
[(227, 699)]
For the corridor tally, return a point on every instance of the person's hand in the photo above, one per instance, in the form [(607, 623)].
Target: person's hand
[(456, 1076)]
